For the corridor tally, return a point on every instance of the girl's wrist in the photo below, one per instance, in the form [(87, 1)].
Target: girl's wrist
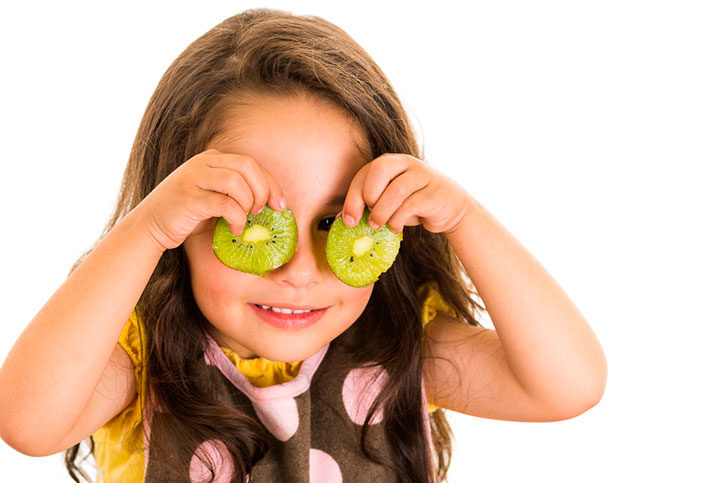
[(470, 206), (137, 227)]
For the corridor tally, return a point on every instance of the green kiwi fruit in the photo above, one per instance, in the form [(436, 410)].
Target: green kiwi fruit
[(267, 242), (358, 255)]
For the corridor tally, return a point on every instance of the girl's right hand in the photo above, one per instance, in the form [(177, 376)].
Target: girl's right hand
[(210, 184)]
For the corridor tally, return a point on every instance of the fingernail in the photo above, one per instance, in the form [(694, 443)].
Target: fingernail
[(373, 225), (283, 203), (349, 220)]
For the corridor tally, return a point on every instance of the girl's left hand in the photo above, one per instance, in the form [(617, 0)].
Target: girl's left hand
[(401, 190)]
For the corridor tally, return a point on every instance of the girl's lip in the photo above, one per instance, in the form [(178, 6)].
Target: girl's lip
[(289, 321)]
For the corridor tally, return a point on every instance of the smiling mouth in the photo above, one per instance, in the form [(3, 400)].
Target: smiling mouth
[(287, 317), (282, 310)]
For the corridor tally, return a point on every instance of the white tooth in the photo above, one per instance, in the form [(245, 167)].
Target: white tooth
[(283, 311)]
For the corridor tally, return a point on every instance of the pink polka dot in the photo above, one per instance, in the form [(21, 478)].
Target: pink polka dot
[(279, 416), (359, 391), (323, 468), (220, 458)]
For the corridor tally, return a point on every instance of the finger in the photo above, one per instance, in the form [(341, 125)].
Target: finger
[(229, 183), (406, 215), (276, 195), (383, 170), (394, 195), (364, 191), (264, 187), (354, 205), (219, 205), (252, 173)]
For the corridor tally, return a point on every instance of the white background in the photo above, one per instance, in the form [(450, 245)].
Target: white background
[(594, 131)]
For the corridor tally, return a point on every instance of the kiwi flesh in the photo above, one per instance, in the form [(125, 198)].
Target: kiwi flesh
[(268, 241), (358, 255)]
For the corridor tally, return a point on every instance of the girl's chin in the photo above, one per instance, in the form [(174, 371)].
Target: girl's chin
[(276, 355), (288, 350)]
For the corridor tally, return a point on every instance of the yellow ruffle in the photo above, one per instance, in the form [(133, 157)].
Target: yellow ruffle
[(262, 372), (431, 302)]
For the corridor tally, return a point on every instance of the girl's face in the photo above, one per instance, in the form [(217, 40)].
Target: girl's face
[(313, 150)]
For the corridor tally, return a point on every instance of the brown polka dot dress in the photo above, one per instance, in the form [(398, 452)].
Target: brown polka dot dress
[(312, 423)]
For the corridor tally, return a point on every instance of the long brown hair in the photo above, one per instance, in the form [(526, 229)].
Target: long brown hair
[(264, 51)]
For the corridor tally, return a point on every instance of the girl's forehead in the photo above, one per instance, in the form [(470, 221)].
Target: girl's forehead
[(311, 148)]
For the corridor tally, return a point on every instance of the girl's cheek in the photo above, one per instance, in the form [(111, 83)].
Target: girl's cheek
[(214, 277), (226, 281), (359, 297)]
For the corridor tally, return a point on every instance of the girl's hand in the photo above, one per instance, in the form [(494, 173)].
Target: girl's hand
[(211, 184), (401, 190)]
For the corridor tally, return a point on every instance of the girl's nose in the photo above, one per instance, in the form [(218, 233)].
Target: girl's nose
[(305, 268)]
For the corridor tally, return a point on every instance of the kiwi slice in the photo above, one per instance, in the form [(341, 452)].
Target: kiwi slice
[(267, 242), (358, 255)]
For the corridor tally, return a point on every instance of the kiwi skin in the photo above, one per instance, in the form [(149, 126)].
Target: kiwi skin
[(271, 249), (363, 269)]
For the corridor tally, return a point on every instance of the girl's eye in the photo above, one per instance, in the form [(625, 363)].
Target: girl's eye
[(325, 223)]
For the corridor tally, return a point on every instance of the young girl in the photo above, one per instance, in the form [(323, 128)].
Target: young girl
[(176, 367)]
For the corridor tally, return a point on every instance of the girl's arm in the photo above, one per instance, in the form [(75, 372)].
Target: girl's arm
[(543, 362), (53, 369), (66, 375)]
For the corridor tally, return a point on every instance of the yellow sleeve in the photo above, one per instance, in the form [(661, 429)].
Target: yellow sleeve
[(431, 302), (119, 444)]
